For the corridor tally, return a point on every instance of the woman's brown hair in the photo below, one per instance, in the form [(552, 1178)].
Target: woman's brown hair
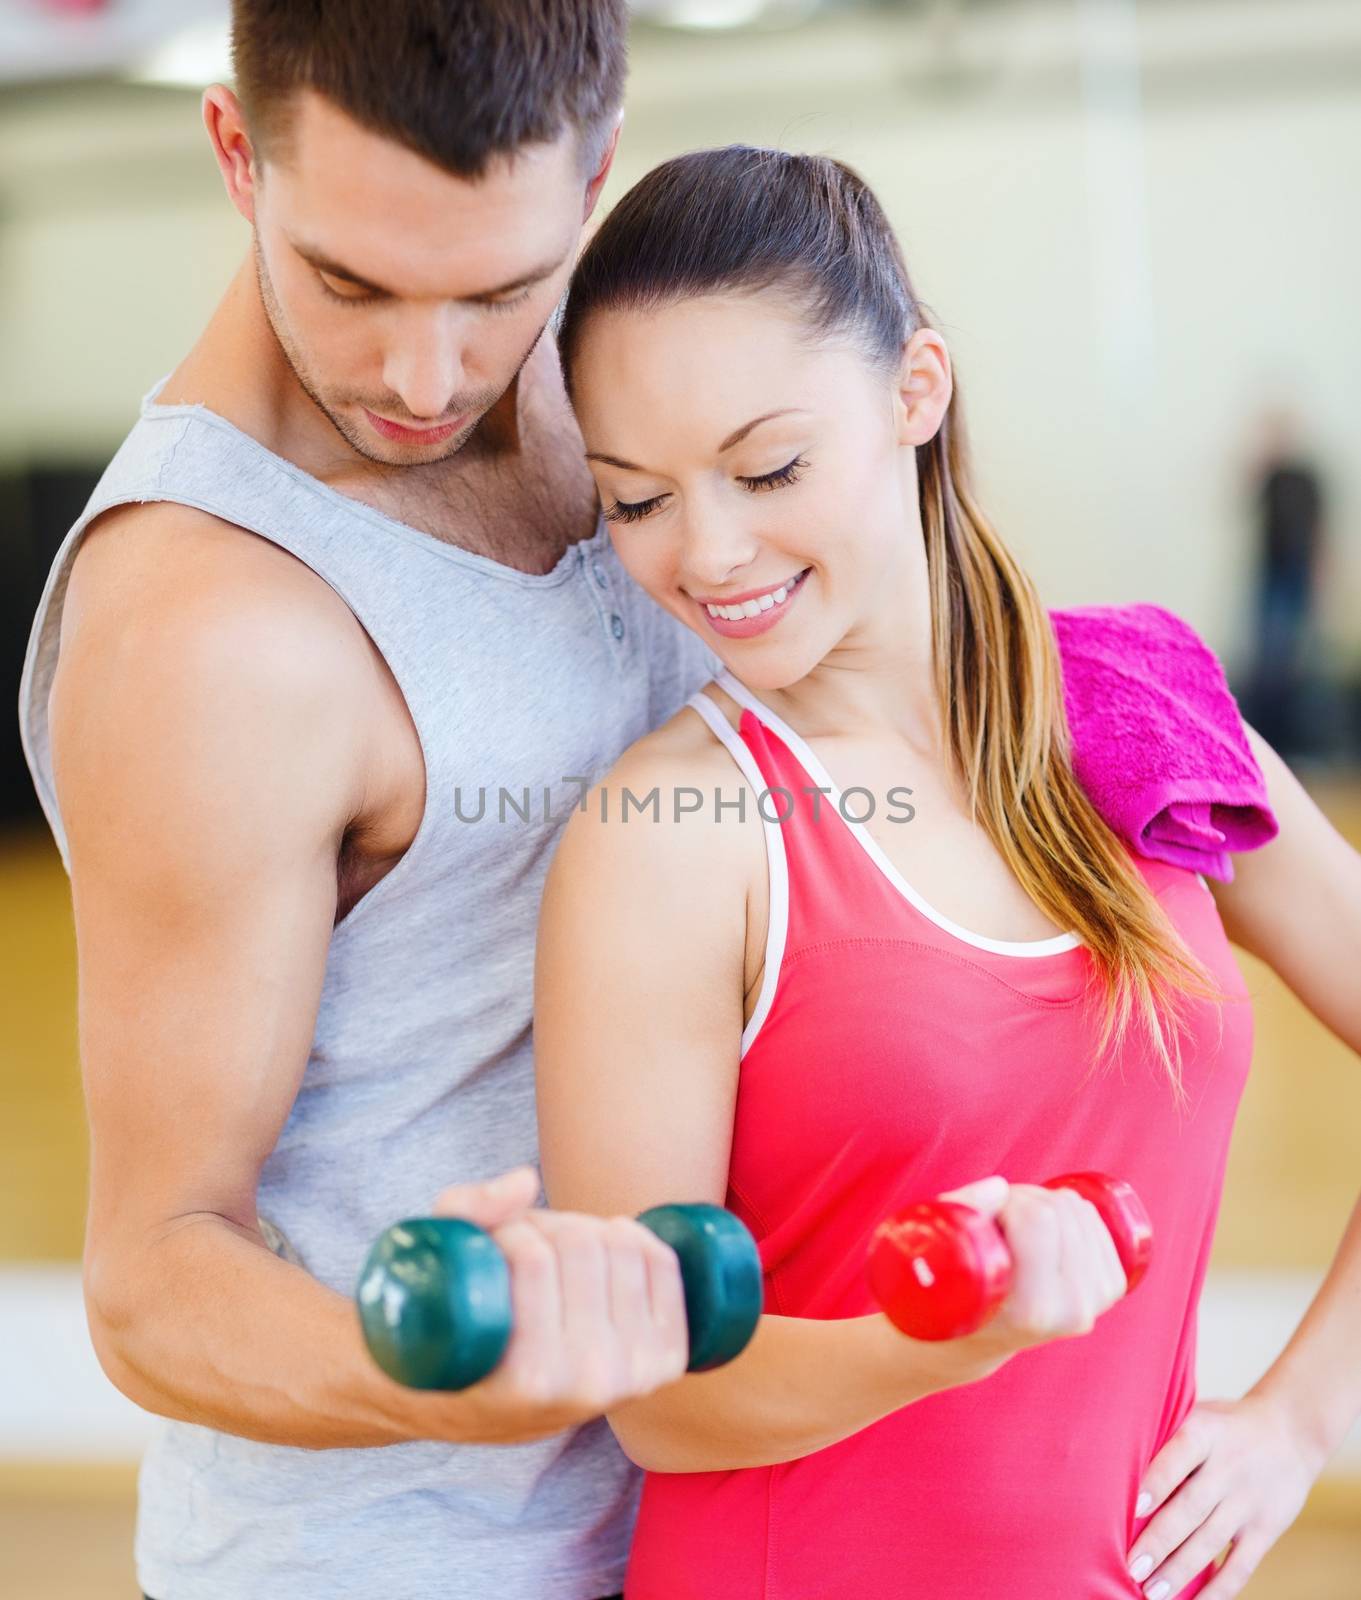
[(744, 220)]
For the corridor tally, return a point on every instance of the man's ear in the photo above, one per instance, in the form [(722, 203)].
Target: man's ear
[(603, 167), (226, 125), (925, 387)]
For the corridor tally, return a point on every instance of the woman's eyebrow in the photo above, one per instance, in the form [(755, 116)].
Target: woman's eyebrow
[(738, 434), (734, 438)]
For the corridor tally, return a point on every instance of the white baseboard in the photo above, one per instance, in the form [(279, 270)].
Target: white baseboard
[(55, 1402)]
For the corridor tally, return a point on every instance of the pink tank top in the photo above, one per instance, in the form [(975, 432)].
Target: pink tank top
[(893, 1054)]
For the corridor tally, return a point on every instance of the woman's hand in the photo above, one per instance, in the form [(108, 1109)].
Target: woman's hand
[(1066, 1271), (1235, 1471)]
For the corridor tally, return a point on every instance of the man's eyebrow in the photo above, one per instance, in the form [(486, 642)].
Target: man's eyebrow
[(335, 269), (734, 438)]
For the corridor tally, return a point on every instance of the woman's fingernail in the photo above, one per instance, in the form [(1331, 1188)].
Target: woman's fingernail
[(1142, 1504), (1159, 1591), (1141, 1568)]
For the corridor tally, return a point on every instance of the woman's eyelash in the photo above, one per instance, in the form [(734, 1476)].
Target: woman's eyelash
[(776, 480), (623, 511), (635, 511)]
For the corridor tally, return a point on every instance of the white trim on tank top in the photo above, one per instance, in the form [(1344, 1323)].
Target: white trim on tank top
[(777, 923), (815, 769)]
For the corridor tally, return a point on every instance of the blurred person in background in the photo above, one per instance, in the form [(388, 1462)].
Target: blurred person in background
[(347, 559), (1288, 503)]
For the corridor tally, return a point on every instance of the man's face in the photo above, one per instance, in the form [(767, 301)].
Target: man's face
[(407, 299)]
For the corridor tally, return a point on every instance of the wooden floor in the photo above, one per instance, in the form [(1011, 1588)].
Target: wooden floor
[(42, 1121)]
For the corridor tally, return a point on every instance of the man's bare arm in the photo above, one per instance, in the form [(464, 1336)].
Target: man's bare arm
[(213, 725)]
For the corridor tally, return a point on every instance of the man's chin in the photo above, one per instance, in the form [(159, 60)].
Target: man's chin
[(376, 446)]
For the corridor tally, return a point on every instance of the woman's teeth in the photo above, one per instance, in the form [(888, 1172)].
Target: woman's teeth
[(754, 608)]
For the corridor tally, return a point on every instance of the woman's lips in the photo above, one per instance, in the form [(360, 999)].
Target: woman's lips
[(762, 622), (395, 430)]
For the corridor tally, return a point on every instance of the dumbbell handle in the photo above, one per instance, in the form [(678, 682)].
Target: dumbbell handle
[(940, 1269), (435, 1304)]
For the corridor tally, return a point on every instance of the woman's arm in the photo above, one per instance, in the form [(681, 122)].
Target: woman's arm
[(1238, 1472), (1296, 904), (638, 1020)]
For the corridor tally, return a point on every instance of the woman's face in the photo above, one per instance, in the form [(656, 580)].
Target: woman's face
[(759, 488)]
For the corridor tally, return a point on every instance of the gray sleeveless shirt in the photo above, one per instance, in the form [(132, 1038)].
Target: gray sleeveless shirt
[(421, 1070)]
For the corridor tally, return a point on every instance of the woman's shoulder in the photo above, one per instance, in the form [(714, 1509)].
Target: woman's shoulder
[(1133, 636), (672, 786), (683, 749), (1141, 670), (1158, 740)]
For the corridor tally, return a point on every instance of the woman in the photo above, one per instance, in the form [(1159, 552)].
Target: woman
[(815, 1015)]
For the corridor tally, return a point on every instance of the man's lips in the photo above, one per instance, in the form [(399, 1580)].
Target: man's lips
[(397, 430)]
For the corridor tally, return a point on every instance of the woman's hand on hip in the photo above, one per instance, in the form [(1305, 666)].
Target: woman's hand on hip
[(1236, 1472)]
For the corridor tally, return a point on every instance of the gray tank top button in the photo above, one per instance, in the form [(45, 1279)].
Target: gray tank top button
[(600, 577), (617, 625)]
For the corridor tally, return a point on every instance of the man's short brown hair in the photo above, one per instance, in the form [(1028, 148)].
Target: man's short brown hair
[(457, 81)]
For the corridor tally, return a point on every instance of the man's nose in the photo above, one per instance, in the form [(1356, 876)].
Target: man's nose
[(424, 365)]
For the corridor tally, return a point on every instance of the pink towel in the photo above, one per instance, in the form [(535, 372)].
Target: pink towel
[(1158, 740)]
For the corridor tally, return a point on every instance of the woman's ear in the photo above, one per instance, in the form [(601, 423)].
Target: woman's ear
[(925, 386)]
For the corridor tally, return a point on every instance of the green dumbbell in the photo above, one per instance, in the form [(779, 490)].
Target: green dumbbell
[(434, 1294)]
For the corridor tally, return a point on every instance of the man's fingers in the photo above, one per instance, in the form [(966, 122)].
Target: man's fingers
[(630, 1302), (492, 1203), (535, 1349)]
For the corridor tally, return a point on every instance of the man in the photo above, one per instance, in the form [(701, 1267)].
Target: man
[(345, 572), (1288, 490)]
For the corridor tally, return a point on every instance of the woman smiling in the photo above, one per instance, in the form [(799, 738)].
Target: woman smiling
[(789, 1002)]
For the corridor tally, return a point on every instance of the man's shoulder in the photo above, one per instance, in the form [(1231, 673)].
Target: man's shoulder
[(173, 565), (162, 591), (196, 657)]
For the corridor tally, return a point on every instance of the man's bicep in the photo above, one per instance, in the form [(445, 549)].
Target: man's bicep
[(204, 798)]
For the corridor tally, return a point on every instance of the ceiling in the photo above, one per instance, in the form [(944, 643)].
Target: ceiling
[(185, 41)]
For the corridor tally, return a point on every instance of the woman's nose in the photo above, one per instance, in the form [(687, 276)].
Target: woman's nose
[(717, 549)]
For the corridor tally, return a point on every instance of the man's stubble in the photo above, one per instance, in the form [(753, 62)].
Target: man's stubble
[(292, 353)]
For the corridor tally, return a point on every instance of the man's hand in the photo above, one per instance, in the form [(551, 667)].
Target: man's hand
[(597, 1306)]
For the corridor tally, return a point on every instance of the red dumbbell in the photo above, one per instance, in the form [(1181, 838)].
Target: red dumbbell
[(939, 1270)]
